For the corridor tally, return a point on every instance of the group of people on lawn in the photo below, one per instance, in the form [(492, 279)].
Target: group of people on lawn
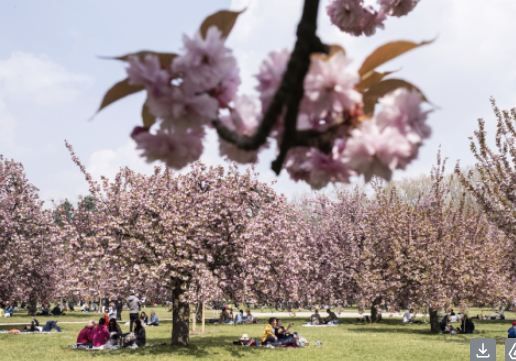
[(108, 332), (226, 317)]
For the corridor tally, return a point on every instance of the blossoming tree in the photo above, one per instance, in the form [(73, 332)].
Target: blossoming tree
[(320, 113), (31, 245), (384, 250), (198, 235)]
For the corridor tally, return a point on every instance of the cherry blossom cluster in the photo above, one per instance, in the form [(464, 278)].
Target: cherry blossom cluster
[(202, 84), (355, 18)]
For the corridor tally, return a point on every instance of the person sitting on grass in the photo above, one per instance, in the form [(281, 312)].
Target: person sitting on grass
[(444, 322), (139, 338), (153, 321), (100, 334), (282, 333), (512, 330), (144, 318), (239, 317), (466, 325), (85, 308), (268, 332), (315, 319), (8, 311), (407, 318), (332, 317), (225, 317), (85, 336), (115, 332), (57, 311), (249, 317)]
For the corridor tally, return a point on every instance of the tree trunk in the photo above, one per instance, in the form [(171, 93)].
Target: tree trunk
[(374, 313), (434, 321), (180, 320), (32, 306), (198, 312)]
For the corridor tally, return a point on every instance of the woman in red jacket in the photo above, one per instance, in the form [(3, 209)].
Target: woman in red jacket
[(86, 336)]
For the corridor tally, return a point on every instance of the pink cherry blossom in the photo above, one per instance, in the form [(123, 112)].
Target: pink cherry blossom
[(398, 7), (205, 63), (329, 88), (352, 17), (175, 149), (182, 111), (374, 151), (225, 92), (148, 72), (402, 109), (270, 75), (316, 168)]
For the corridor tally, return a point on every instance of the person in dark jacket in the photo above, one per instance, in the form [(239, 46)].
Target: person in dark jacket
[(512, 331), (115, 332), (467, 326), (444, 322), (119, 305), (139, 335), (32, 327)]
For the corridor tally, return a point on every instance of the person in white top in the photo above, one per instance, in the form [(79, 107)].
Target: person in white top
[(248, 318), (407, 318)]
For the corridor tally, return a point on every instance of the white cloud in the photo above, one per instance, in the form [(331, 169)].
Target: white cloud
[(39, 79)]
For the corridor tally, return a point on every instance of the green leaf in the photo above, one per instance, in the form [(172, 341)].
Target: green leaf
[(388, 52), (165, 59), (148, 118), (373, 78), (224, 20), (118, 91), (381, 88)]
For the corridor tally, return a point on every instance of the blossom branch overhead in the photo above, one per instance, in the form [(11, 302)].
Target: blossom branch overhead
[(318, 112)]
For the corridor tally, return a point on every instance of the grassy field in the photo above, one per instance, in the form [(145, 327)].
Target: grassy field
[(350, 341)]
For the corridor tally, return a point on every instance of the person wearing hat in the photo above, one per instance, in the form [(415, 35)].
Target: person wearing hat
[(512, 331), (244, 338)]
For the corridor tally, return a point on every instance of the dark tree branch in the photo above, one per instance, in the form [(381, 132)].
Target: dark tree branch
[(289, 94)]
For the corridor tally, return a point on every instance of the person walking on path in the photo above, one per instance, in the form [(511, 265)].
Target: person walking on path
[(134, 309)]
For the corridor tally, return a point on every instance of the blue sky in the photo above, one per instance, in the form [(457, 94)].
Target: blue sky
[(52, 80)]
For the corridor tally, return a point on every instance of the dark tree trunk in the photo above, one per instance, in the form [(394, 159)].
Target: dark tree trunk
[(374, 313), (180, 320), (32, 306), (434, 321), (198, 312)]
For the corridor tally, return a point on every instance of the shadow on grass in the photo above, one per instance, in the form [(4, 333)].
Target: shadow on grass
[(199, 348)]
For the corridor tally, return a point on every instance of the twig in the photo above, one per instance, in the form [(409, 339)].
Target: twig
[(289, 94)]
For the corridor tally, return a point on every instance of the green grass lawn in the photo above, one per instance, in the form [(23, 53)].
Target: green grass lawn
[(350, 341)]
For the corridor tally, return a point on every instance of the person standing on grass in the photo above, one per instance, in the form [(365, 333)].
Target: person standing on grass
[(86, 336), (100, 334), (268, 332), (134, 309), (119, 306)]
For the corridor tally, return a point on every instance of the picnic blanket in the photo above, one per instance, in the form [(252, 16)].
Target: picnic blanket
[(310, 325), (104, 347)]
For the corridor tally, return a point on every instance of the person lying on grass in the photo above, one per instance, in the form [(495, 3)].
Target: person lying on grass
[(86, 336), (49, 326)]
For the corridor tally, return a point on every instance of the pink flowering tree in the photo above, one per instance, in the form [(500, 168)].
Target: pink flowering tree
[(319, 112), (429, 254), (197, 236), (31, 245)]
